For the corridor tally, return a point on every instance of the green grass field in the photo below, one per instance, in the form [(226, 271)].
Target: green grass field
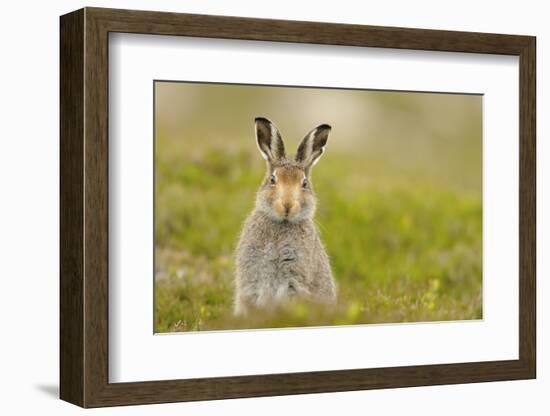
[(405, 240)]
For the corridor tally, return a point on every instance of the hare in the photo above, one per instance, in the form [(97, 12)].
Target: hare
[(280, 255)]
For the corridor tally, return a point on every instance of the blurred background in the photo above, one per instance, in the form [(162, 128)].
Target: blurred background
[(399, 189)]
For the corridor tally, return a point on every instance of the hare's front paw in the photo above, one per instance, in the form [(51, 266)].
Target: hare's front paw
[(296, 290)]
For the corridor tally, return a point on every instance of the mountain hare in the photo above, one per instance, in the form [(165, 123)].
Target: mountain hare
[(280, 255)]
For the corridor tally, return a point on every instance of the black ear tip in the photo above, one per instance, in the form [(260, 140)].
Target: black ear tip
[(261, 120), (325, 127)]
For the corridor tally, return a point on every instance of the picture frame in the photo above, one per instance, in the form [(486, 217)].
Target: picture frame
[(84, 214)]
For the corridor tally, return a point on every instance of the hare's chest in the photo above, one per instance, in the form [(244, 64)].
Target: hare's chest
[(284, 270), (286, 263), (282, 254), (275, 265)]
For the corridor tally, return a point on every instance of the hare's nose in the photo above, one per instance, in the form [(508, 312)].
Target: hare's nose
[(287, 206)]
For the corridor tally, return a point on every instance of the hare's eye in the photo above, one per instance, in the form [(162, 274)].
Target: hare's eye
[(272, 180), (304, 183)]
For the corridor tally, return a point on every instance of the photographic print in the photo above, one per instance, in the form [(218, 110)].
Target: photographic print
[(374, 192), (295, 206)]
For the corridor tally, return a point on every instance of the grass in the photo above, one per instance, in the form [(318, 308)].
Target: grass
[(405, 244)]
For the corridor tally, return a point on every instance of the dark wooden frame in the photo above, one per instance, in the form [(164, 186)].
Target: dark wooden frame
[(84, 207)]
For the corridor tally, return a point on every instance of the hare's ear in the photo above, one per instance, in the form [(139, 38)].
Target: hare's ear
[(269, 140), (313, 145)]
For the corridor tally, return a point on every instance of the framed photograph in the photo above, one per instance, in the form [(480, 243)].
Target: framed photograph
[(254, 207)]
